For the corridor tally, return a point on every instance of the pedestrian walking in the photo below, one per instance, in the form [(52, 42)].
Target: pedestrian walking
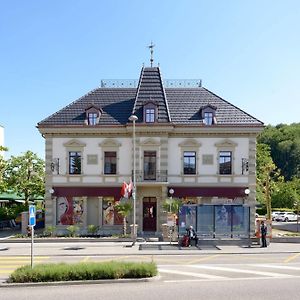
[(263, 232)]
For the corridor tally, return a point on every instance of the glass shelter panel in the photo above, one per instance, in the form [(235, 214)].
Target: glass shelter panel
[(205, 221), (223, 221), (187, 217), (240, 221)]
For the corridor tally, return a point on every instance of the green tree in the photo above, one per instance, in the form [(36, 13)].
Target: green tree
[(266, 176), (25, 175), (284, 142), (2, 169), (124, 209)]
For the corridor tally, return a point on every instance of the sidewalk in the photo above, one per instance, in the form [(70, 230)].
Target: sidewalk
[(115, 246)]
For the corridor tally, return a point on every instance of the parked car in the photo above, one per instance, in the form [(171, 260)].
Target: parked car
[(275, 214), (286, 217)]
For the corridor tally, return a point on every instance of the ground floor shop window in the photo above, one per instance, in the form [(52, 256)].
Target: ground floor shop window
[(110, 215), (69, 211)]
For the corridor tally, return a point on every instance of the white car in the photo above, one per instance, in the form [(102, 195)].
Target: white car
[(275, 214), (286, 217)]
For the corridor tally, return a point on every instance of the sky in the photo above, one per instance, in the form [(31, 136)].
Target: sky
[(52, 52)]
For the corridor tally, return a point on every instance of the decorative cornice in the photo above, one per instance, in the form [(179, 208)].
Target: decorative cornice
[(110, 143), (74, 143), (226, 143), (189, 143)]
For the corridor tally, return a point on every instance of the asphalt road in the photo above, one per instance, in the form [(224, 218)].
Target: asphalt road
[(235, 289), (288, 226)]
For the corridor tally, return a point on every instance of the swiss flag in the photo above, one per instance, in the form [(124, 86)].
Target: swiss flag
[(126, 189)]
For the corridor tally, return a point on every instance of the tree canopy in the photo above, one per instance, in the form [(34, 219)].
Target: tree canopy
[(25, 175), (278, 166)]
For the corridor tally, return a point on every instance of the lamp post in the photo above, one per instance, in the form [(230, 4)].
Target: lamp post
[(134, 118), (171, 224)]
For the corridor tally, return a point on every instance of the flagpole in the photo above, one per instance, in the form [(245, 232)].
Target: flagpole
[(134, 118)]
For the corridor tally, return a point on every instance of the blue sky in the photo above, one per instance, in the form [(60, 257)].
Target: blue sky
[(53, 52)]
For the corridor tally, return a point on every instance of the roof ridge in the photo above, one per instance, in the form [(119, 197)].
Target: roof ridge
[(165, 96), (67, 106), (137, 90), (232, 104)]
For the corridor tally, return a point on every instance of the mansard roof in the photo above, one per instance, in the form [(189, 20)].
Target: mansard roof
[(174, 105)]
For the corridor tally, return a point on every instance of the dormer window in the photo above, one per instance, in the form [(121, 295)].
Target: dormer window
[(150, 112), (93, 114), (92, 118), (208, 114), (208, 118), (150, 115)]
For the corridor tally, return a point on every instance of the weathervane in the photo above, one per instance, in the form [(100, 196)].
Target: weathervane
[(151, 52)]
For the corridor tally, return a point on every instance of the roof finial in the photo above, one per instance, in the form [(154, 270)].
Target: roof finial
[(151, 52)]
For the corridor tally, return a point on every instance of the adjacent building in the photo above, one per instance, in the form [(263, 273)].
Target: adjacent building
[(190, 144)]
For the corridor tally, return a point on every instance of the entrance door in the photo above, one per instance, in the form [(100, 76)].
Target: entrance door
[(149, 165), (149, 214)]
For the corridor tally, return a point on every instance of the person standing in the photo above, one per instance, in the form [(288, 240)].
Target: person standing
[(263, 232)]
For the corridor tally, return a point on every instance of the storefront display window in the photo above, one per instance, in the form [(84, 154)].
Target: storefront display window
[(110, 215), (69, 211)]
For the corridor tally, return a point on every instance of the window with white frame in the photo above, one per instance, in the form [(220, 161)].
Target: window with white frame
[(92, 118), (110, 162), (208, 118), (225, 162), (150, 115), (189, 162), (74, 162)]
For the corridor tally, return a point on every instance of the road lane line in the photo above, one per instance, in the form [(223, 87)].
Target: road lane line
[(278, 267), (289, 259), (225, 269), (207, 276), (210, 257)]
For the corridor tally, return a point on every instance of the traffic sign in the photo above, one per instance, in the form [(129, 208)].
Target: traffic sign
[(31, 215)]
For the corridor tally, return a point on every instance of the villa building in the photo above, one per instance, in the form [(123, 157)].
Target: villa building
[(190, 144)]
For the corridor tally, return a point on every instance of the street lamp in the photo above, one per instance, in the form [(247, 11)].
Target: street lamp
[(170, 223), (134, 118)]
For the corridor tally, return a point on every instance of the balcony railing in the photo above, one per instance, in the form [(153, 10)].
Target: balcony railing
[(158, 176)]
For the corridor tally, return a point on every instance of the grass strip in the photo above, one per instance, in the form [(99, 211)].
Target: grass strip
[(83, 271)]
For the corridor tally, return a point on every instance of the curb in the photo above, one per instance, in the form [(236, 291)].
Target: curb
[(78, 282)]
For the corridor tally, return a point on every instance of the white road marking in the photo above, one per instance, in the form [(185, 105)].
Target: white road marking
[(233, 270), (206, 276), (277, 267)]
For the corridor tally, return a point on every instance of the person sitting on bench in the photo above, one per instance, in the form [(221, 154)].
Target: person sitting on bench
[(191, 233)]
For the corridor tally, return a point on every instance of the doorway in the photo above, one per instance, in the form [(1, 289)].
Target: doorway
[(149, 213)]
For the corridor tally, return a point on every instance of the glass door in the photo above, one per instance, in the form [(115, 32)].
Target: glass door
[(149, 165)]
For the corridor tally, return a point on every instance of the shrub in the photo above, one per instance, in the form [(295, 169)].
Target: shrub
[(72, 229), (83, 271), (50, 231), (92, 229)]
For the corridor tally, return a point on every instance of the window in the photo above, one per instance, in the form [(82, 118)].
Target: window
[(92, 118), (69, 210), (225, 162), (150, 115), (110, 215), (208, 118), (150, 165), (110, 162), (74, 162), (189, 162)]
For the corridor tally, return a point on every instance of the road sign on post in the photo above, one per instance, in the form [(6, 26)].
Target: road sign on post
[(31, 223), (31, 215)]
